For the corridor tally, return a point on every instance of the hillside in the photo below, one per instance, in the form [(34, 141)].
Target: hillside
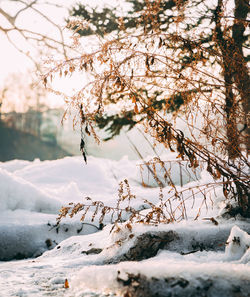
[(18, 145)]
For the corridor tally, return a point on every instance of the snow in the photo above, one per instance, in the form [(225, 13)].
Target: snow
[(238, 244), (103, 278), (32, 194), (18, 193)]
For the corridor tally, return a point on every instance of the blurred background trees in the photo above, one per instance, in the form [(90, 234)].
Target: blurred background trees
[(32, 32), (29, 32)]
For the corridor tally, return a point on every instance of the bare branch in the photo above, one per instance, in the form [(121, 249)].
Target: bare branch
[(25, 8), (30, 35), (10, 18), (23, 52)]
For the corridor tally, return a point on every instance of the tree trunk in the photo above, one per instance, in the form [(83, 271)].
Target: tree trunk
[(242, 81), (233, 146), (235, 75), (241, 75), (233, 142)]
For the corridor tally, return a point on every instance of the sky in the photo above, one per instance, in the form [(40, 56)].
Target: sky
[(12, 61)]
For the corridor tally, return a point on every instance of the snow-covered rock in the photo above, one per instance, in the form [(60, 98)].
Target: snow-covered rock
[(238, 245)]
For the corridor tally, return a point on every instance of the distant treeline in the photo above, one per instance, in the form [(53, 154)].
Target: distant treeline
[(38, 123)]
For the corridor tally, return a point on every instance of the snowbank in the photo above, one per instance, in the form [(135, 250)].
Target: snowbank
[(191, 274), (25, 234), (17, 193), (190, 258), (29, 189), (238, 245), (32, 194)]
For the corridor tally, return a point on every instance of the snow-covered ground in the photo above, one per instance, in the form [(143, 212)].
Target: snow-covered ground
[(92, 261)]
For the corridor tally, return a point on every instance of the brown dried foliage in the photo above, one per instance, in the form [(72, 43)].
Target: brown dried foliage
[(124, 67)]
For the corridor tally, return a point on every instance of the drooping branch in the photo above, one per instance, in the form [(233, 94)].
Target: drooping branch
[(153, 74)]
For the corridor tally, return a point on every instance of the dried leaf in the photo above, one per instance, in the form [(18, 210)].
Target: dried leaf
[(66, 284), (213, 220), (72, 69), (87, 130), (136, 109), (82, 145), (160, 43), (45, 81), (133, 99)]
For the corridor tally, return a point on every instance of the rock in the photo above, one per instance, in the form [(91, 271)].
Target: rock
[(147, 245), (137, 285), (92, 251)]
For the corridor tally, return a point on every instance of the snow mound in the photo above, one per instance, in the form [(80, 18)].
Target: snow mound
[(238, 245), (190, 262), (17, 193), (14, 165), (203, 273), (35, 233), (68, 169)]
